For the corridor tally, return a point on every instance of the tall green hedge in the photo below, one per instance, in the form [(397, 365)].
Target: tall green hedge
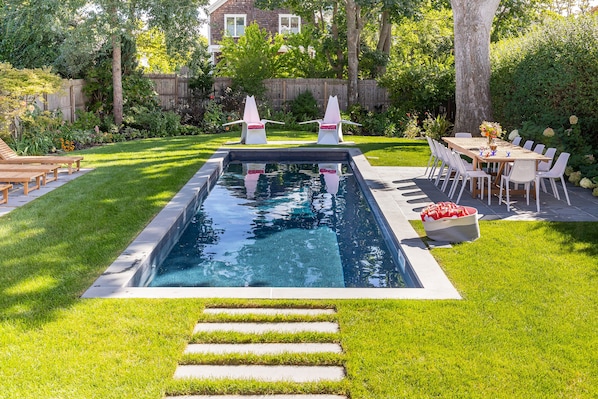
[(548, 75)]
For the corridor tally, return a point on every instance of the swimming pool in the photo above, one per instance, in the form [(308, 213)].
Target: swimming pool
[(283, 225), (132, 272)]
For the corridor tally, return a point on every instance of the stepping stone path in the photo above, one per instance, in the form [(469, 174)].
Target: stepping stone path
[(292, 373)]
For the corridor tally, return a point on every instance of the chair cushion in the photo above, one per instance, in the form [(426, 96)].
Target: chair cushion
[(255, 126)]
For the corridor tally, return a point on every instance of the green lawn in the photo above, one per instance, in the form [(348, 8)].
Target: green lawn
[(526, 328)]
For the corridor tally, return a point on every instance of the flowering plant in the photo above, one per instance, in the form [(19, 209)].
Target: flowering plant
[(442, 210), (490, 129)]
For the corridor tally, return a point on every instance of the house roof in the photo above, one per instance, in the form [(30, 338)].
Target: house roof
[(215, 5)]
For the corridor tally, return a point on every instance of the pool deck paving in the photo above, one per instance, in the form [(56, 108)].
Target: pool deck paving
[(412, 191)]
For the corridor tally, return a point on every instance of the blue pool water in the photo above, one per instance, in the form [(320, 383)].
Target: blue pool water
[(282, 225)]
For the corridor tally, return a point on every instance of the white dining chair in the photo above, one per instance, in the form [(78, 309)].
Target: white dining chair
[(522, 172), (463, 175), (463, 135), (444, 163), (528, 144), (449, 164), (516, 140), (544, 166), (556, 172), (433, 156), (539, 148)]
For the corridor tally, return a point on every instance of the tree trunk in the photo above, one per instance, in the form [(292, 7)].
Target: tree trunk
[(117, 84), (339, 52), (384, 40), (353, 33), (473, 21)]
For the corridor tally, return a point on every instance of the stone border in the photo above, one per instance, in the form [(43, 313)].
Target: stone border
[(135, 264)]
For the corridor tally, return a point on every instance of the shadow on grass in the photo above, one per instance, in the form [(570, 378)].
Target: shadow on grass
[(581, 237), (54, 247)]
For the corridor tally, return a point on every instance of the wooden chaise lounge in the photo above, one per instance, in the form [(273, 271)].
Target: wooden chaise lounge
[(24, 178), (8, 156), (46, 168), (4, 190)]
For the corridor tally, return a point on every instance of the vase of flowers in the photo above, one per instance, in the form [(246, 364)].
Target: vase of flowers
[(490, 130)]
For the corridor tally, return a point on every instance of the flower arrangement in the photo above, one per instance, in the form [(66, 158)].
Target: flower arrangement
[(442, 210), (491, 130)]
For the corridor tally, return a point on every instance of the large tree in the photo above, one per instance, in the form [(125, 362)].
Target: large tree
[(473, 23), (178, 19)]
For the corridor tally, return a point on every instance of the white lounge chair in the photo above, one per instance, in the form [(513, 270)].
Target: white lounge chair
[(331, 131), (254, 128)]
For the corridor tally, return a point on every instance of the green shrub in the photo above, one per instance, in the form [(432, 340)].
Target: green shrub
[(542, 79), (250, 59), (160, 124), (412, 128), (548, 75), (436, 127), (214, 117), (305, 106), (420, 74)]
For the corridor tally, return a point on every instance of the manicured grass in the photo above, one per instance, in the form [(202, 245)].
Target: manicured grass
[(526, 327)]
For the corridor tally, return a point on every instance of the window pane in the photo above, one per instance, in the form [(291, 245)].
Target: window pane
[(230, 26), (240, 26)]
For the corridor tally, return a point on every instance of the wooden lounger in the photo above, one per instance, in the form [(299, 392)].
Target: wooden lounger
[(8, 156), (4, 189), (46, 168), (24, 178)]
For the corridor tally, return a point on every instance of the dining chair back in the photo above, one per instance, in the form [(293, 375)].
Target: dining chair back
[(463, 135), (539, 148), (433, 156), (544, 166), (522, 172), (528, 144), (516, 140)]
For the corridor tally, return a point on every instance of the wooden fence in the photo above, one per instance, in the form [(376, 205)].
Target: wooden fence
[(173, 90), (69, 99)]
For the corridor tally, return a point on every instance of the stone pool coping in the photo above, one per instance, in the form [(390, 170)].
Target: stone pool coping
[(116, 281)]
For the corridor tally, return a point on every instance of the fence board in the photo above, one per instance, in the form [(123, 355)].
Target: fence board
[(279, 92), (69, 99), (173, 90)]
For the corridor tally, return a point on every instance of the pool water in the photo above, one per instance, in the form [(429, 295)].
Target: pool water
[(282, 225)]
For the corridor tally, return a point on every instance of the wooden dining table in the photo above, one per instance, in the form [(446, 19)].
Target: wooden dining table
[(479, 151)]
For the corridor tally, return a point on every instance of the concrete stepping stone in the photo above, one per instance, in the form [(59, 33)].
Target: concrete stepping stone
[(263, 349), (260, 328), (261, 373), (269, 311), (299, 396)]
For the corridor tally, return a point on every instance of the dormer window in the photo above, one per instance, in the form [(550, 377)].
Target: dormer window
[(288, 23), (234, 24)]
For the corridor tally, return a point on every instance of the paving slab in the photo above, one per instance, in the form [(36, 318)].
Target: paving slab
[(302, 396), (269, 311), (260, 328), (261, 373), (263, 349)]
